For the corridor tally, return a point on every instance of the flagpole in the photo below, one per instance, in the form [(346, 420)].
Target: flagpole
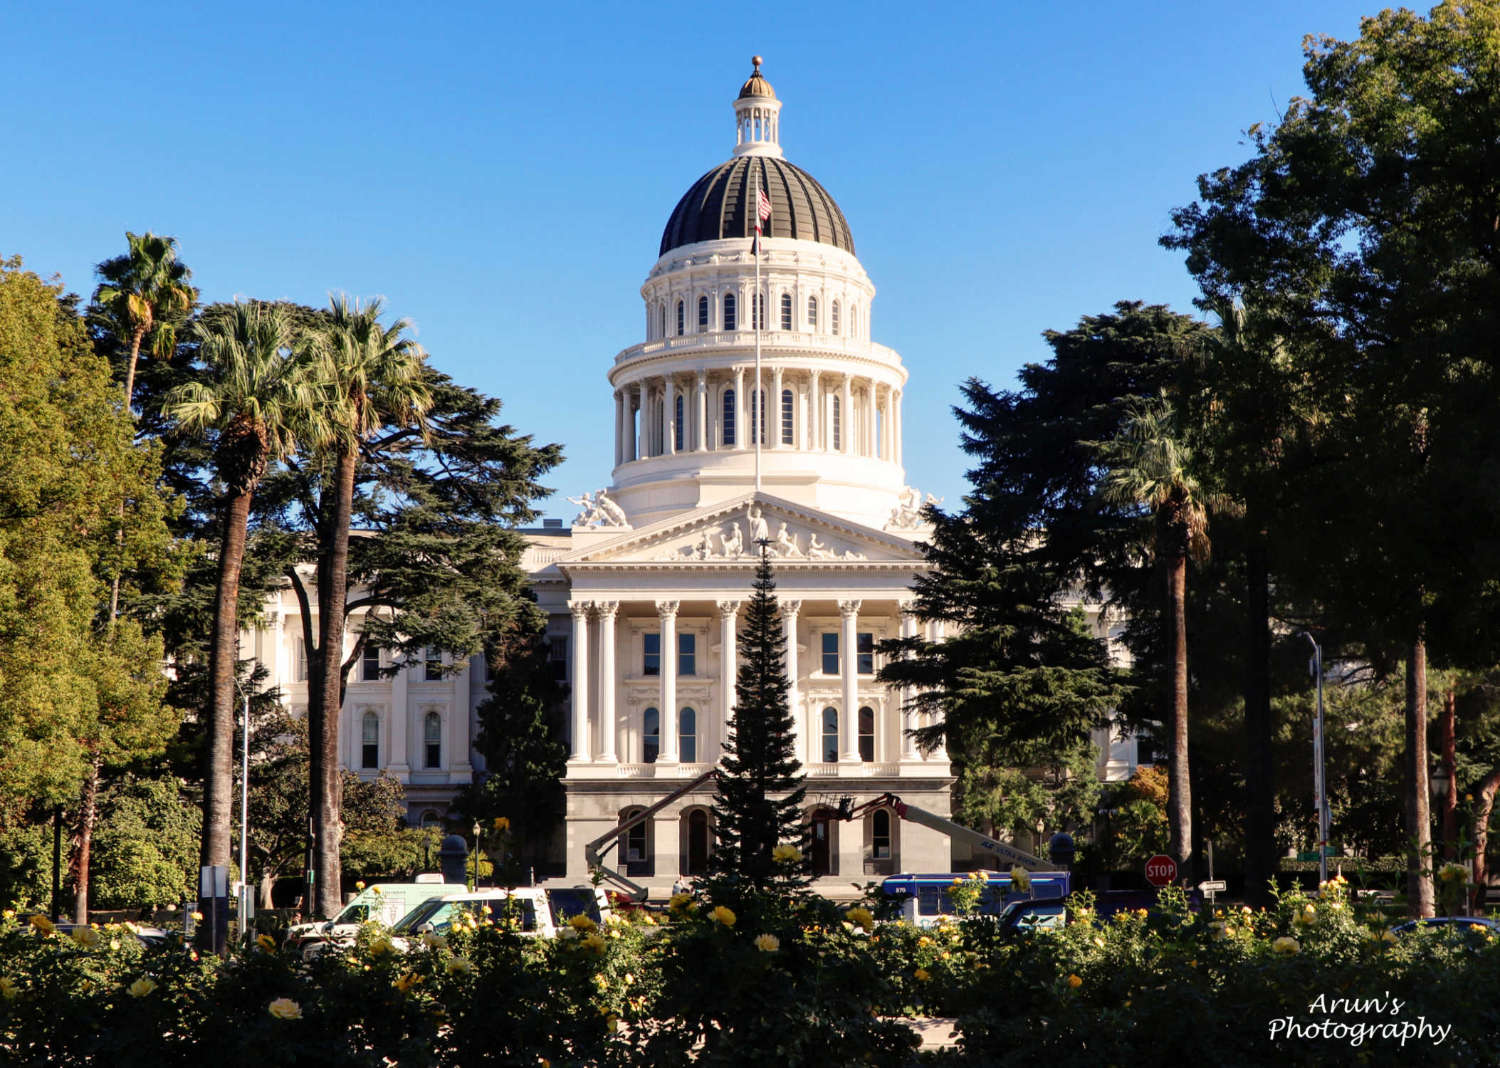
[(758, 312)]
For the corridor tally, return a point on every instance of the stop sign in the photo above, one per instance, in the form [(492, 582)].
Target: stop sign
[(1161, 870)]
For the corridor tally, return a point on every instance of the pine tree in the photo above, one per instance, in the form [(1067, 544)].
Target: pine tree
[(759, 802)]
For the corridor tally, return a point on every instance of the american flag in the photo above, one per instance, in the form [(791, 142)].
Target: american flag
[(764, 212)]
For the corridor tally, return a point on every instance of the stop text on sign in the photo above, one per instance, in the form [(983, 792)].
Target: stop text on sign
[(1161, 870)]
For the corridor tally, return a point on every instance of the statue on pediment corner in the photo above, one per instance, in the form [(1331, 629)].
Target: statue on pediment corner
[(597, 510)]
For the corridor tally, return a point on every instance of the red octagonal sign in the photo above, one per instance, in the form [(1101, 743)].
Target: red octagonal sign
[(1161, 870)]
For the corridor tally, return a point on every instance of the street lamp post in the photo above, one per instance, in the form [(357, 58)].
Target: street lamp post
[(1320, 783), (476, 830)]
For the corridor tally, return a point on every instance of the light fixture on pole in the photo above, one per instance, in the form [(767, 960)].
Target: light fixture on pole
[(477, 829), (1320, 782)]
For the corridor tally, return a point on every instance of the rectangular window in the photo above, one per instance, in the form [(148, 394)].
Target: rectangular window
[(299, 660), (369, 756), (838, 429), (786, 417), (702, 314), (432, 666), (831, 653), (866, 649), (687, 654), (370, 664), (786, 312), (557, 653), (651, 661)]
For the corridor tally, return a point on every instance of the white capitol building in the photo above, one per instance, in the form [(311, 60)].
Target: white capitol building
[(644, 590)]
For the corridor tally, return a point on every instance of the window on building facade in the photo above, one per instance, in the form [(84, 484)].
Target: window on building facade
[(687, 654), (635, 840), (432, 666), (299, 660), (557, 653), (786, 311), (728, 421), (867, 734), (830, 652), (681, 319), (834, 317), (369, 664), (677, 424), (830, 735), (786, 416), (865, 646), (699, 842), (812, 312), (729, 310), (838, 429), (702, 314), (687, 736), (661, 319), (432, 740), (880, 834), (369, 741), (650, 736), (651, 654)]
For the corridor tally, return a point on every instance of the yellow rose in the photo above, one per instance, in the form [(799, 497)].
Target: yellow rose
[(1286, 946), (723, 915), (141, 987), (382, 947), (786, 854), (86, 937), (1074, 982), (285, 1009), (861, 917), (767, 943), (459, 966), (593, 943), (359, 884), (197, 917), (501, 823), (407, 981), (42, 925), (266, 942), (8, 988), (375, 890), (921, 975), (581, 923)]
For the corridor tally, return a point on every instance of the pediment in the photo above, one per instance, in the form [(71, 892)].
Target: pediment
[(729, 532)]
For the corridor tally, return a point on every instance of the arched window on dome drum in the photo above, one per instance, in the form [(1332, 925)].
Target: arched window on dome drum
[(730, 322), (786, 311), (677, 424), (838, 429), (681, 319), (702, 314), (687, 736), (650, 736), (661, 319), (786, 417), (867, 734), (834, 318), (369, 741), (830, 735), (812, 312), (728, 421)]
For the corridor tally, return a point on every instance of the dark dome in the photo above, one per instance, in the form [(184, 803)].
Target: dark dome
[(714, 207)]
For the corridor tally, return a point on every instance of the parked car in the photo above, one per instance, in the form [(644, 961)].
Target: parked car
[(924, 897), (1457, 924), (542, 911), (381, 903)]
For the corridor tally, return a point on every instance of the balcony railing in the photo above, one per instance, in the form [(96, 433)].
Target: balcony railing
[(772, 343)]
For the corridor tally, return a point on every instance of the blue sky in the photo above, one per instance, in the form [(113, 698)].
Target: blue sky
[(501, 176)]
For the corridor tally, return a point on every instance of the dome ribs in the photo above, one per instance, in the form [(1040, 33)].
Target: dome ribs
[(718, 206)]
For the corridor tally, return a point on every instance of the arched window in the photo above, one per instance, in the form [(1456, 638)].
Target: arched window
[(786, 311), (838, 430), (880, 834), (650, 736), (677, 424), (369, 741), (702, 314), (786, 416), (824, 846), (729, 319), (430, 818), (699, 842), (834, 317), (432, 740), (728, 421), (637, 844), (867, 734), (681, 319), (661, 319), (687, 736), (830, 735), (812, 312)]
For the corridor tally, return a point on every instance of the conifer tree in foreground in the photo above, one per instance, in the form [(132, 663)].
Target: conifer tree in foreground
[(759, 802)]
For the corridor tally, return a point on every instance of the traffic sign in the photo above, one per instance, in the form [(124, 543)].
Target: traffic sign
[(1161, 870), (1213, 886)]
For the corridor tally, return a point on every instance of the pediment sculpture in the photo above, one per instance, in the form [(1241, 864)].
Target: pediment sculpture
[(739, 539), (907, 515), (597, 510)]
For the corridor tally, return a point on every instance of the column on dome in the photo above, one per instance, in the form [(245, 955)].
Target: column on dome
[(607, 610), (908, 630), (580, 680), (849, 661), (896, 426), (619, 428), (666, 612), (741, 428), (700, 407), (846, 417), (669, 417), (728, 670), (643, 424), (774, 408), (789, 610), (814, 413), (869, 435)]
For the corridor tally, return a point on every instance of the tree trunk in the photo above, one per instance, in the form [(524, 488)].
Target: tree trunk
[(1180, 801), (218, 766), (86, 816), (333, 572), (136, 337), (1418, 813), (1482, 810), (1260, 789)]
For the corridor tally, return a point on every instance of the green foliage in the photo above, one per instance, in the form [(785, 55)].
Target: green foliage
[(145, 845)]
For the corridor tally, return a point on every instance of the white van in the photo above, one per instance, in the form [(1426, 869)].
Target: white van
[(542, 911), (381, 903)]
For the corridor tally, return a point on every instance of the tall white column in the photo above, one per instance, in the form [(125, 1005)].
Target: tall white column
[(869, 434), (460, 742), (908, 629), (700, 436), (667, 612), (580, 697), (741, 427), (607, 732), (846, 418), (849, 714), (400, 727), (728, 669), (896, 425), (669, 417), (619, 428), (814, 439), (643, 424), (789, 610), (775, 412)]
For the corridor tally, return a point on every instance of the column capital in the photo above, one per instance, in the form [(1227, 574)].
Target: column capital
[(606, 609), (848, 609), (580, 609), (728, 609), (789, 609), (667, 609)]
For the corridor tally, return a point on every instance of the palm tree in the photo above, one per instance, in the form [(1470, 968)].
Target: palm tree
[(376, 377), (145, 293), (260, 393), (1149, 465)]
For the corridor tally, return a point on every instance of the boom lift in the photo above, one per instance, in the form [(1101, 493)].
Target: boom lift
[(593, 853), (1060, 848)]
